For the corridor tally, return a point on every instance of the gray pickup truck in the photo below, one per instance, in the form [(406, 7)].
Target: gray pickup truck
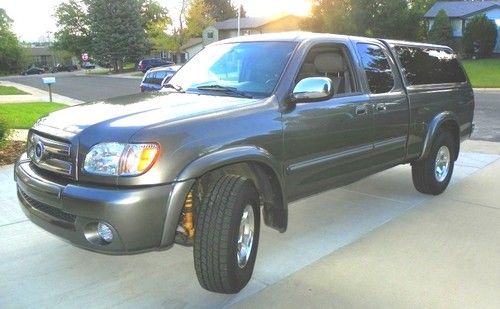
[(249, 123)]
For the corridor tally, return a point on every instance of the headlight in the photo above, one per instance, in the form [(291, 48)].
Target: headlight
[(116, 159)]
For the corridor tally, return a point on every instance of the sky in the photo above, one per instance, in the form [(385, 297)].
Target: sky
[(34, 21)]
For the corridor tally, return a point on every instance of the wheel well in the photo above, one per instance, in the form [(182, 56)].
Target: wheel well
[(452, 127), (268, 186)]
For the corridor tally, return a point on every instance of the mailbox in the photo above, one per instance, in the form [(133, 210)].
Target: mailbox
[(49, 80)]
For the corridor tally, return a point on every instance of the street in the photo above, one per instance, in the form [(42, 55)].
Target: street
[(82, 87)]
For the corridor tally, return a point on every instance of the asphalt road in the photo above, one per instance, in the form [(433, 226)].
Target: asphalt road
[(487, 115), (92, 88), (82, 87)]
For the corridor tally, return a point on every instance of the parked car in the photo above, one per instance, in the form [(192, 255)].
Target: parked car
[(196, 163), (64, 68), (33, 71), (146, 64), (156, 77), (88, 65)]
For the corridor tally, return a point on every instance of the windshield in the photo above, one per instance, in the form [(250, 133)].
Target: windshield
[(250, 68)]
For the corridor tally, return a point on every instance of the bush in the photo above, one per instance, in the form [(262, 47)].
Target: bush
[(441, 31), (482, 30), (4, 132)]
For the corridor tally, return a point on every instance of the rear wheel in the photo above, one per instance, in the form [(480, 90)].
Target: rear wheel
[(227, 235), (432, 175)]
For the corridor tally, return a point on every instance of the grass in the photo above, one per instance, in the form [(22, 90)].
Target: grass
[(9, 90), (483, 73), (24, 115)]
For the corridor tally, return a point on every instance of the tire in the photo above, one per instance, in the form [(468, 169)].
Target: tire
[(425, 178), (217, 231)]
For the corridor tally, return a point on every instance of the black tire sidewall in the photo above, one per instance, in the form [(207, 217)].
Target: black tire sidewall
[(239, 277)]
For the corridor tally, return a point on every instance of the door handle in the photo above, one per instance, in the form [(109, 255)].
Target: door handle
[(381, 107), (361, 110)]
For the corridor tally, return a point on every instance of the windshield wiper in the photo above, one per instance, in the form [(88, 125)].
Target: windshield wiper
[(225, 89), (175, 87)]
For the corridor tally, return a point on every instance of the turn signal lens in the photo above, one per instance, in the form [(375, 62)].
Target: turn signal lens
[(138, 158)]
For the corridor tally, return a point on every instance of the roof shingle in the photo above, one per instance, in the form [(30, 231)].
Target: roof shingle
[(460, 9)]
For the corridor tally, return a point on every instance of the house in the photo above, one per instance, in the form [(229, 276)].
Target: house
[(252, 25), (460, 12), (248, 25), (41, 56)]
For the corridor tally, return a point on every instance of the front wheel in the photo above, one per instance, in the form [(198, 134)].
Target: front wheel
[(227, 235), (432, 175)]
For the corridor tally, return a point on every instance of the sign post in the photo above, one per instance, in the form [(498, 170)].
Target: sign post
[(49, 81)]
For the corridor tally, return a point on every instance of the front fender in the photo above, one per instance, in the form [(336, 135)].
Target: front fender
[(229, 156)]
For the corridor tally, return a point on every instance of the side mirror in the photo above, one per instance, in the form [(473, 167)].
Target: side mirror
[(166, 80), (312, 89)]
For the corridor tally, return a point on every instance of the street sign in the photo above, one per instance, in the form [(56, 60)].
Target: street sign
[(85, 57)]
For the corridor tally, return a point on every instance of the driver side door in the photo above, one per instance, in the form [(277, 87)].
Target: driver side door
[(326, 141)]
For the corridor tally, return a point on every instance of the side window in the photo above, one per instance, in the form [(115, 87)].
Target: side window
[(377, 68), (210, 35), (329, 60), (149, 78), (424, 66)]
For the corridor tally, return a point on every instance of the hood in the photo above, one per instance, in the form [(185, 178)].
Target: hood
[(141, 110)]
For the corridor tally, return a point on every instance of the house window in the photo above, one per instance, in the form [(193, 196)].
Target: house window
[(210, 35)]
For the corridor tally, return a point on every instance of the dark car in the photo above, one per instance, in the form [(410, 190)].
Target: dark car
[(33, 71), (64, 68), (246, 127), (154, 78), (88, 65), (146, 64)]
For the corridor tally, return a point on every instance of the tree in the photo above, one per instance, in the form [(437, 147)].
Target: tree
[(12, 55), (155, 20), (441, 31), (198, 17), (74, 28), (223, 9), (117, 30), (483, 31), (331, 16), (385, 18)]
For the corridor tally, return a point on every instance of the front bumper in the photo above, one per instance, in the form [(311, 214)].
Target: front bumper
[(142, 218)]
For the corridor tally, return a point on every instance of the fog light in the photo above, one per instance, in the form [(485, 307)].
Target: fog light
[(104, 231)]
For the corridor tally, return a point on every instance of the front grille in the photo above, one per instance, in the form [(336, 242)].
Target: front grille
[(50, 155), (49, 210)]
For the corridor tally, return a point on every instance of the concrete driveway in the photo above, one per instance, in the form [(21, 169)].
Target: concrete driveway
[(374, 243)]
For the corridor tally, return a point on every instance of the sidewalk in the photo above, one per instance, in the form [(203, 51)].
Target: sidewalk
[(442, 254)]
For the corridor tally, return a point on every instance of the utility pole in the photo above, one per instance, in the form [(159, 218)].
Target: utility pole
[(239, 17)]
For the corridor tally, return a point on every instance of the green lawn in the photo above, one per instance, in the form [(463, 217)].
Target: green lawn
[(9, 90), (483, 73), (24, 115)]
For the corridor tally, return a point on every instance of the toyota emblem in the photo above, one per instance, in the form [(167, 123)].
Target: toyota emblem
[(39, 151)]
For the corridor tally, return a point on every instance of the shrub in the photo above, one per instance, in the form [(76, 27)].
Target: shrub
[(4, 132), (441, 31), (482, 30)]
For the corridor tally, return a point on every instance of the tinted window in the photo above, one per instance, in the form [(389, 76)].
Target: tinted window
[(377, 68), (423, 66)]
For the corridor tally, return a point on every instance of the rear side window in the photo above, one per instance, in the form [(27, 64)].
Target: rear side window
[(377, 68), (424, 66)]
